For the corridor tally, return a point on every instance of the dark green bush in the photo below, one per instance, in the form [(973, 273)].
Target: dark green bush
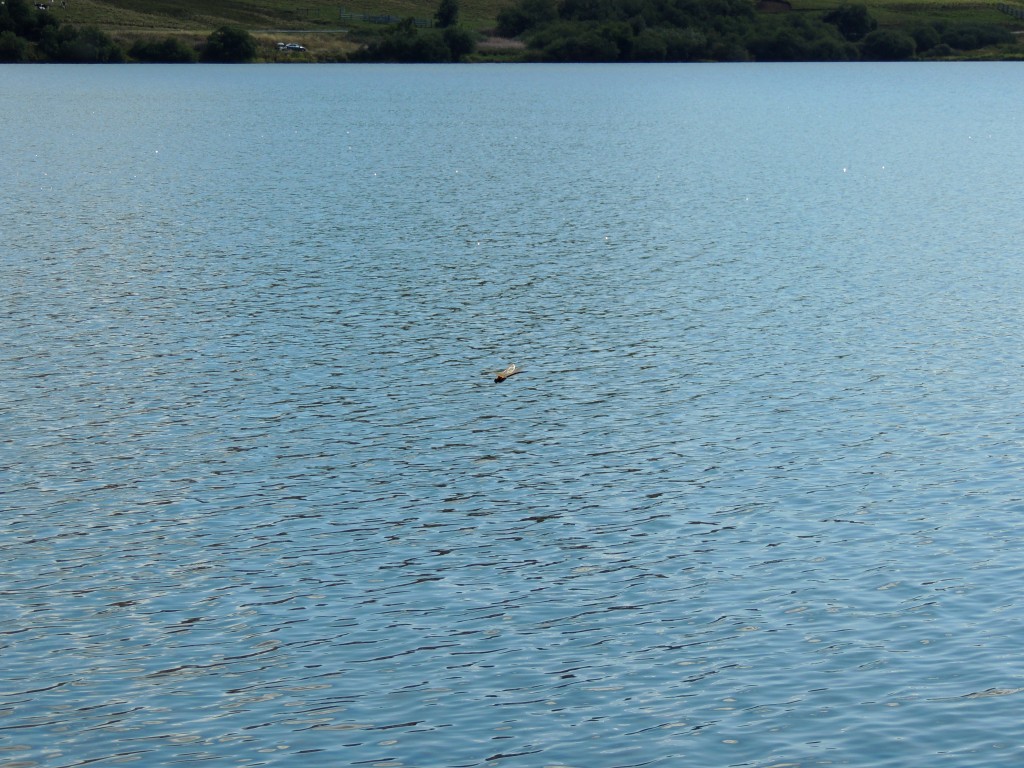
[(925, 38), (12, 47), (405, 43), (170, 50), (688, 44), (587, 10), (577, 42), (650, 45), (972, 37), (852, 21), (460, 42), (524, 15), (447, 14), (16, 16), (888, 45), (79, 45), (229, 45), (24, 21), (941, 50), (796, 38)]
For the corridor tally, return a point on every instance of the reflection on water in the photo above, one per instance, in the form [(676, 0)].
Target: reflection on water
[(752, 501)]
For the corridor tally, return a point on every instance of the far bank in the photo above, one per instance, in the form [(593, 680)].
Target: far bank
[(427, 31)]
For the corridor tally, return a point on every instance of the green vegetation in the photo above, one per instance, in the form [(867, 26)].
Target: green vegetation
[(169, 50), (27, 34), (229, 45), (853, 22), (447, 13), (404, 42), (509, 30), (739, 30)]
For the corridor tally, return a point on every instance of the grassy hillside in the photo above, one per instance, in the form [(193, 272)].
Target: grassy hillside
[(317, 24), (256, 15), (259, 15), (899, 12)]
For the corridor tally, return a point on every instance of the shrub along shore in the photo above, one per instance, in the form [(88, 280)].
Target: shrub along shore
[(109, 31)]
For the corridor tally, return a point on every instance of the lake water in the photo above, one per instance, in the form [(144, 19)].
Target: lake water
[(756, 498)]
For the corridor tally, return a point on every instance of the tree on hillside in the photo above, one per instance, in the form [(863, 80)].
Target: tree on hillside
[(406, 43), (229, 45), (926, 38), (852, 21), (12, 47), (170, 50), (970, 37), (21, 25), (631, 30), (15, 15), (447, 13), (460, 42), (791, 37), (888, 45), (526, 14), (726, 18), (579, 42), (25, 22), (79, 45)]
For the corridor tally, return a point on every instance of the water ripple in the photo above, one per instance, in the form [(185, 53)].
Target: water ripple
[(751, 502)]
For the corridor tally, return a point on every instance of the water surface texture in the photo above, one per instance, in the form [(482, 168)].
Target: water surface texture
[(755, 499)]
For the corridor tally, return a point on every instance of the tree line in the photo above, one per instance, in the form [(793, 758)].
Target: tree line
[(552, 30), (724, 30), (28, 34)]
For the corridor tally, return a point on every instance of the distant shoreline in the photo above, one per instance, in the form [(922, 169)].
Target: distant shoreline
[(510, 31)]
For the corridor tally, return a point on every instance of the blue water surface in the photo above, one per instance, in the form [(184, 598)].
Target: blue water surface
[(755, 499)]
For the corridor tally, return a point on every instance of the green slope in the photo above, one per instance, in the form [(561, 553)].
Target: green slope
[(319, 25), (256, 15)]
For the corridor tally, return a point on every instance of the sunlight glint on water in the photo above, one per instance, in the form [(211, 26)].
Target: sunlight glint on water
[(754, 499)]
